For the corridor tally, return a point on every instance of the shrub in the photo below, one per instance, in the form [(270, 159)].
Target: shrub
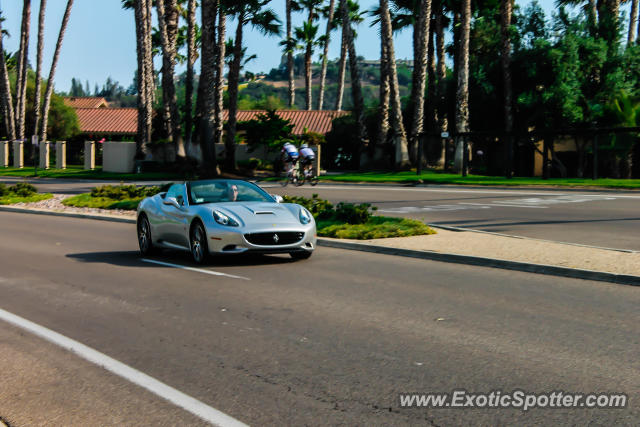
[(323, 210), (319, 208), (353, 214), (3, 190), (23, 189), (124, 192)]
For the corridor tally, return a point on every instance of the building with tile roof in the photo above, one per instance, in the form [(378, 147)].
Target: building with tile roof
[(86, 102), (108, 121), (318, 121)]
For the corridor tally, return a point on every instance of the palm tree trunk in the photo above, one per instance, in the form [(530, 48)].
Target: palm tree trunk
[(5, 88), (325, 54), (234, 78), (307, 67), (206, 89), (54, 64), (168, 23), (219, 84), (633, 22), (420, 72), (505, 28), (385, 90), (443, 122), (36, 102), (151, 77), (21, 78), (462, 94), (191, 59), (290, 65), (399, 133), (145, 90), (593, 13), (431, 100), (356, 88), (342, 67)]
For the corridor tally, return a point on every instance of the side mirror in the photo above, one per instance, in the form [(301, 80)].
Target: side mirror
[(172, 201), (277, 198)]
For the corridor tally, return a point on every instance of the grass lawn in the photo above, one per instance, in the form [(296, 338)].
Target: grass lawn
[(78, 172), (12, 198), (86, 201), (378, 227), (431, 177)]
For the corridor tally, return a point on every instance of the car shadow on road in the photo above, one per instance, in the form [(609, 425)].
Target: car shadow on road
[(134, 259)]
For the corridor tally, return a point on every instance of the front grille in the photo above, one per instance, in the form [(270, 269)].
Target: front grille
[(274, 238)]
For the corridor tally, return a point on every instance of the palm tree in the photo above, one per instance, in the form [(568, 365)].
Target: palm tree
[(249, 12), (441, 71), (21, 78), (385, 91), (421, 39), (590, 8), (168, 22), (219, 83), (342, 67), (191, 59), (633, 22), (462, 93), (36, 102), (54, 64), (397, 124), (355, 18), (506, 8), (289, 47), (307, 35), (206, 88), (325, 54), (144, 76), (5, 89)]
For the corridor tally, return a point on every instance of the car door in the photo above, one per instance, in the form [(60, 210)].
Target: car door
[(174, 225)]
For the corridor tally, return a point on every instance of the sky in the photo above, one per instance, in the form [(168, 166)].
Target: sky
[(100, 39)]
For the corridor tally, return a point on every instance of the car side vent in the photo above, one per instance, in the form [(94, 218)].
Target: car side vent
[(264, 212)]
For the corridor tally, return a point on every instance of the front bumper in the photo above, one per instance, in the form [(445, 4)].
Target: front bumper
[(229, 241)]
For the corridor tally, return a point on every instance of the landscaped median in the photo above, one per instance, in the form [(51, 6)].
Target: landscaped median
[(21, 193), (124, 197)]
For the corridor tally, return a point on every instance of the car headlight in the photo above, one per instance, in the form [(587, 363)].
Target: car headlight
[(224, 219), (305, 216)]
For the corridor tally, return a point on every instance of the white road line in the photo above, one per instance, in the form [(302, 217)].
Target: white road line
[(141, 379), (197, 270)]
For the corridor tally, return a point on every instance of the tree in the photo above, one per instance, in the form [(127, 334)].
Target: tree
[(441, 67), (462, 93), (397, 124), (289, 47), (325, 43), (206, 89), (505, 29), (307, 35), (219, 83), (168, 22), (191, 59), (21, 71), (40, 47), (266, 22), (633, 22), (54, 64), (5, 91)]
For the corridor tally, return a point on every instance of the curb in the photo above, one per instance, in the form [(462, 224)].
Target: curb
[(550, 270)]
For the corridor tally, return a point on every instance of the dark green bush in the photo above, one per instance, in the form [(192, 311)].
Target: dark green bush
[(3, 190), (353, 214), (323, 210), (23, 189), (124, 192)]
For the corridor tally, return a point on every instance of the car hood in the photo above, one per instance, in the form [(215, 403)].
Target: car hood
[(256, 213)]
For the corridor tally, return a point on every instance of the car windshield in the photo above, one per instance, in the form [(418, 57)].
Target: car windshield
[(217, 191)]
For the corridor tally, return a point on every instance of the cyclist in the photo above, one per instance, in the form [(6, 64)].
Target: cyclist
[(307, 156), (289, 156)]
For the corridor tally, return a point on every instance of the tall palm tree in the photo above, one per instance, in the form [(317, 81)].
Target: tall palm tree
[(5, 91), (191, 59), (421, 39), (462, 92), (52, 73), (250, 12), (385, 93), (142, 14), (633, 22), (206, 89), (219, 83), (506, 10), (307, 35), (441, 72), (168, 22), (590, 8), (342, 67), (348, 32), (397, 124), (36, 102), (325, 54), (21, 77), (289, 47)]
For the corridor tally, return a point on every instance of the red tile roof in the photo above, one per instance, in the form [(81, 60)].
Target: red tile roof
[(121, 121), (315, 120), (85, 102)]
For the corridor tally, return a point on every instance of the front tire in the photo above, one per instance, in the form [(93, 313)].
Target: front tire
[(145, 242), (198, 243), (300, 255)]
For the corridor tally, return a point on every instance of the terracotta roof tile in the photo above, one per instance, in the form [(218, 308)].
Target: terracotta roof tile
[(108, 120), (315, 120), (85, 102)]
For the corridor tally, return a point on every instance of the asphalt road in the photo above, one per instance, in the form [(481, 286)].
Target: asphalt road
[(331, 340), (608, 219)]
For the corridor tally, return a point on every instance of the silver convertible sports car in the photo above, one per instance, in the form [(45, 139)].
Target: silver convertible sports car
[(224, 217)]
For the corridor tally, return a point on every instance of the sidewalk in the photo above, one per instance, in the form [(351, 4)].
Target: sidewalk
[(455, 244)]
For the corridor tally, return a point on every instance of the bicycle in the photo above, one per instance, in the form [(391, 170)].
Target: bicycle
[(293, 176), (309, 175)]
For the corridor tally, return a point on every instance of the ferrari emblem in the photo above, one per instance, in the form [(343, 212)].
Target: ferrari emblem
[(275, 238)]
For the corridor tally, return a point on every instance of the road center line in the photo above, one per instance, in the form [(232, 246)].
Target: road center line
[(141, 379), (197, 270)]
